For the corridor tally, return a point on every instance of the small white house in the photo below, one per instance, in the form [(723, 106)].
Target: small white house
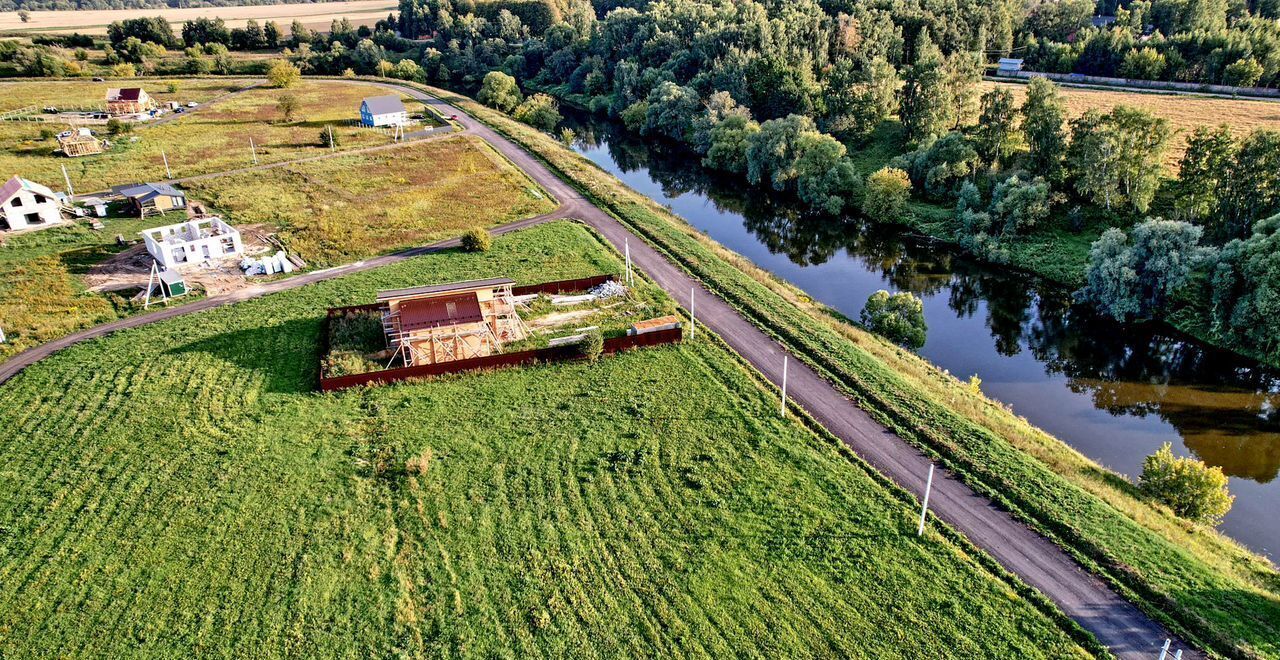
[(383, 111), (28, 205), (1008, 66), (193, 242)]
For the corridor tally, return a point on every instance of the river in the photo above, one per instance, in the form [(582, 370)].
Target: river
[(1114, 392)]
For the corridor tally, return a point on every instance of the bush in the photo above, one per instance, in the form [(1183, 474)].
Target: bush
[(500, 92), (540, 111), (123, 70), (592, 346), (283, 74), (898, 317), (1192, 489), (477, 240), (116, 127), (328, 136), (887, 192)]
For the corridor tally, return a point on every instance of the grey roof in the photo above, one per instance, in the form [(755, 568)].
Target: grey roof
[(384, 105), (146, 191), (443, 288)]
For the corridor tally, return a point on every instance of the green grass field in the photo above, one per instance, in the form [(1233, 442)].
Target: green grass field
[(1211, 589), (215, 139), (191, 495), (338, 209)]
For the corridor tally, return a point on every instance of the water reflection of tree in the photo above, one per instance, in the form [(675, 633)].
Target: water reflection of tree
[(1224, 408)]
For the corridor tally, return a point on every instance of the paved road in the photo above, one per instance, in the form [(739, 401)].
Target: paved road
[(1118, 624)]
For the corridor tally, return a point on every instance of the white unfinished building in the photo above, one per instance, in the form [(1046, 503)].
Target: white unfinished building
[(193, 242)]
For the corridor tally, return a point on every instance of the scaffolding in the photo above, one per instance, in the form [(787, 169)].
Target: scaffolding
[(80, 145), (500, 325)]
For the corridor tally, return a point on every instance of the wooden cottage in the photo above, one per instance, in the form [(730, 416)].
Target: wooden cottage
[(152, 198), (446, 322), (128, 101)]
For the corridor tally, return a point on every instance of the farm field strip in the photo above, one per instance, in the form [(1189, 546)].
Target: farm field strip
[(95, 21), (650, 503), (215, 139)]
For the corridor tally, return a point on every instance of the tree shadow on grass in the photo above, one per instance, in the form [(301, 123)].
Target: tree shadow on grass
[(80, 260), (285, 355)]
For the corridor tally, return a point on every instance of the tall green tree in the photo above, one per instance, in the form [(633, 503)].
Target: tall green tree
[(898, 317), (1043, 120), (1252, 189), (859, 95), (1116, 157), (925, 104), (996, 133), (1205, 168), (499, 91)]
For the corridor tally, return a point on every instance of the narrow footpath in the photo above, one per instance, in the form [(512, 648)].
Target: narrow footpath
[(1118, 624)]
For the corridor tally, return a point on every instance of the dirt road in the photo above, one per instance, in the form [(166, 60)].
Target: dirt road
[(1114, 621)]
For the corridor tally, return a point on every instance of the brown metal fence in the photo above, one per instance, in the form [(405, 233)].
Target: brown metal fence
[(540, 355), (557, 354)]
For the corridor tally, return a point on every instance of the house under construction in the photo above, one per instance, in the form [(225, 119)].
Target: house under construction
[(81, 142), (446, 322)]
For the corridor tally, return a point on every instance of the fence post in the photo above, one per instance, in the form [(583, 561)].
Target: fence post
[(783, 408), (924, 506)]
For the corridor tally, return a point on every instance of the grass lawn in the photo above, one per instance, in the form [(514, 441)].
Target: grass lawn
[(215, 139), (192, 495), (334, 210), (42, 295), (1211, 589)]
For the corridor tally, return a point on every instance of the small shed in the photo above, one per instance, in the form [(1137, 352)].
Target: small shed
[(385, 110), (172, 282), (150, 198), (96, 204), (1008, 66)]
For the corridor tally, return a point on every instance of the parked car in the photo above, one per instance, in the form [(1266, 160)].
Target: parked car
[(51, 110), (98, 79), (192, 104), (179, 110)]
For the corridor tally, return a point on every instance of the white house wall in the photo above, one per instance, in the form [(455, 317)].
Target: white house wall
[(48, 211)]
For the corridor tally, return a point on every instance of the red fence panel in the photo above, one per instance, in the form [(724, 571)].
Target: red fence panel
[(557, 354), (563, 286)]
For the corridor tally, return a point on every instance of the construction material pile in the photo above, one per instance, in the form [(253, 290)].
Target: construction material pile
[(609, 289), (269, 265)]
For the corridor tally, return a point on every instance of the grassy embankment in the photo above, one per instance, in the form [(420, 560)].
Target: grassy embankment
[(192, 495), (1207, 587), (214, 139)]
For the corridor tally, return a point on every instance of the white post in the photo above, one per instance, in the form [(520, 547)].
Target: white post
[(70, 190), (783, 409), (330, 127), (1164, 650), (2, 337), (693, 308), (167, 172), (924, 507), (254, 151), (151, 283), (1178, 655)]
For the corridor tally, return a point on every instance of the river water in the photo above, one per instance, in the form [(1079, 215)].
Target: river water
[(1114, 392)]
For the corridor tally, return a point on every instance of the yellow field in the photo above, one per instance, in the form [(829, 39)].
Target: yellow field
[(214, 139), (339, 209), (1184, 112), (317, 15)]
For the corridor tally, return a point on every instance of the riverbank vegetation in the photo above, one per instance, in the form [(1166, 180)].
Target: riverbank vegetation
[(650, 503), (1200, 583)]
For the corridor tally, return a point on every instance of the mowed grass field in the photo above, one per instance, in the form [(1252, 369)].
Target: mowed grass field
[(214, 139), (1184, 112), (339, 209), (95, 21), (179, 490)]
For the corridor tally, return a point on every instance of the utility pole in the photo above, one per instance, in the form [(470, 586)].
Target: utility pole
[(330, 127), (70, 191), (254, 151), (167, 172), (1164, 650), (3, 339), (924, 507)]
